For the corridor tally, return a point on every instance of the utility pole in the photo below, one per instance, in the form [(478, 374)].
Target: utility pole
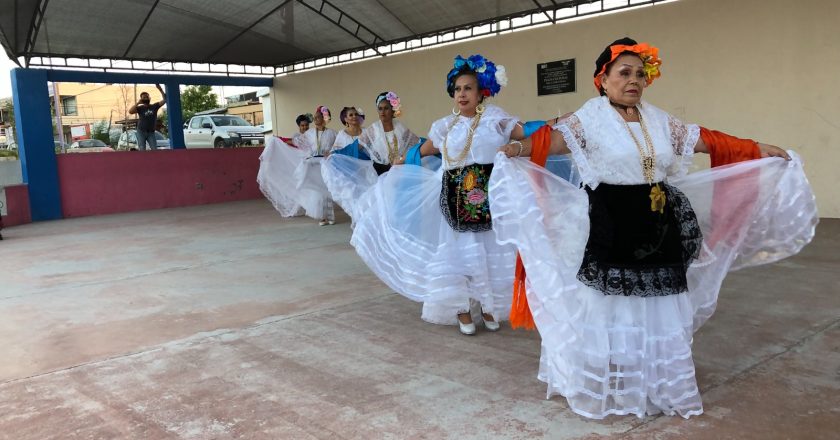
[(59, 128)]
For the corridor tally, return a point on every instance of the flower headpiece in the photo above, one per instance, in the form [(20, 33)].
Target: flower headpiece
[(491, 78), (392, 99), (323, 110), (648, 54)]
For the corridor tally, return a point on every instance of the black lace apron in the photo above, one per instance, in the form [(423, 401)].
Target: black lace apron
[(634, 250), (380, 168), (463, 198)]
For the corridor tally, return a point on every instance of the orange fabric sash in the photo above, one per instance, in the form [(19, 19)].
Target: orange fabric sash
[(520, 311), (725, 149)]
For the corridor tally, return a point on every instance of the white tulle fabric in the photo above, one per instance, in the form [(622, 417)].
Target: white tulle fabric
[(612, 354), (403, 237), (291, 179), (376, 141)]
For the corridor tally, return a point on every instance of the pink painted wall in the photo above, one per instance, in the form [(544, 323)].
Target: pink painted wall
[(17, 206), (108, 183)]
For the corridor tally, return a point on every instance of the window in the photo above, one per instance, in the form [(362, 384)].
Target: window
[(230, 121), (196, 123), (68, 106)]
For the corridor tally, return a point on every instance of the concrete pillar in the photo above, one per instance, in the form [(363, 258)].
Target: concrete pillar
[(173, 112), (35, 142)]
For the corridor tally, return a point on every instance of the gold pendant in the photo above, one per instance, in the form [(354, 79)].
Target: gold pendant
[(657, 199)]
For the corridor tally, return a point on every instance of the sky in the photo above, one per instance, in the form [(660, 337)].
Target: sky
[(6, 65)]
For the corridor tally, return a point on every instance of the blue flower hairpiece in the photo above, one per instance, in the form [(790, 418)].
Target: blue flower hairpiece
[(491, 78)]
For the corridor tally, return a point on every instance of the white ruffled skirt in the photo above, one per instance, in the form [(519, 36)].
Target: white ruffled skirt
[(292, 180), (611, 354), (403, 237)]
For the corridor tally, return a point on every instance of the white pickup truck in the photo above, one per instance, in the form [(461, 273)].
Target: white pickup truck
[(220, 131)]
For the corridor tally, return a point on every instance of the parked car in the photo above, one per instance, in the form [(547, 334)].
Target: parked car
[(89, 146), (128, 140), (220, 131)]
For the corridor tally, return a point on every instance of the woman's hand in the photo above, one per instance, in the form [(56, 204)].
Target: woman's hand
[(768, 150), (513, 149), (400, 160)]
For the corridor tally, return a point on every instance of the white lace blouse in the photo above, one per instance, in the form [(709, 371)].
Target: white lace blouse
[(318, 144), (343, 139), (492, 132), (604, 151), (376, 141)]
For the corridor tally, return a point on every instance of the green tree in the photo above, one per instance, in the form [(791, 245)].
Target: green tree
[(99, 130), (163, 121), (197, 99)]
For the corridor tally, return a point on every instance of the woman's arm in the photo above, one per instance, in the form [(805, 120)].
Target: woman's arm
[(523, 148), (427, 149), (518, 132), (721, 144)]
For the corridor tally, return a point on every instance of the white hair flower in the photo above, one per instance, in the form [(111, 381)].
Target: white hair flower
[(501, 76)]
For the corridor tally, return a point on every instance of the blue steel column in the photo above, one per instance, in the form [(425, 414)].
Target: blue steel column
[(35, 142), (173, 112)]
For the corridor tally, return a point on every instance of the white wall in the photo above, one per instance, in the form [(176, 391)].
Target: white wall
[(763, 69)]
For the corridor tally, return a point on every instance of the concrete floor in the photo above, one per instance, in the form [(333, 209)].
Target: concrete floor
[(227, 321)]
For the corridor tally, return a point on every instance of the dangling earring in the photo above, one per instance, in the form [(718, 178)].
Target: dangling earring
[(479, 109), (455, 111)]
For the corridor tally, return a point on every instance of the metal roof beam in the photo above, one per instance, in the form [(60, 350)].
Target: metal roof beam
[(140, 29), (34, 27), (244, 30), (342, 14), (545, 11)]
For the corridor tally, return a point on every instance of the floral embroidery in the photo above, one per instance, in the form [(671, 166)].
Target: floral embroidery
[(476, 197), (469, 181), (464, 200)]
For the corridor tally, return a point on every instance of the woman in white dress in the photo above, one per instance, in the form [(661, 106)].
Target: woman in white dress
[(351, 173), (387, 139), (302, 123), (352, 119), (622, 272), (290, 173), (427, 233)]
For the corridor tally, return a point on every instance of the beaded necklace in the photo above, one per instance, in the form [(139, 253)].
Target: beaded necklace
[(647, 158), (461, 159)]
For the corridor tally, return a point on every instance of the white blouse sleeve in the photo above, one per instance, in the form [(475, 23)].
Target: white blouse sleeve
[(683, 139)]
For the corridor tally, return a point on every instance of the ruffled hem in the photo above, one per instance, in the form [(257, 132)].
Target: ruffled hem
[(275, 167), (291, 180), (632, 355), (405, 240)]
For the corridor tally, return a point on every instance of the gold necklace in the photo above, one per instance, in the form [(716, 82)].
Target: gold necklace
[(393, 151), (461, 159), (462, 156), (647, 155), (317, 142)]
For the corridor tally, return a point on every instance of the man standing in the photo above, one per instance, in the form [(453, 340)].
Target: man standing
[(147, 118)]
